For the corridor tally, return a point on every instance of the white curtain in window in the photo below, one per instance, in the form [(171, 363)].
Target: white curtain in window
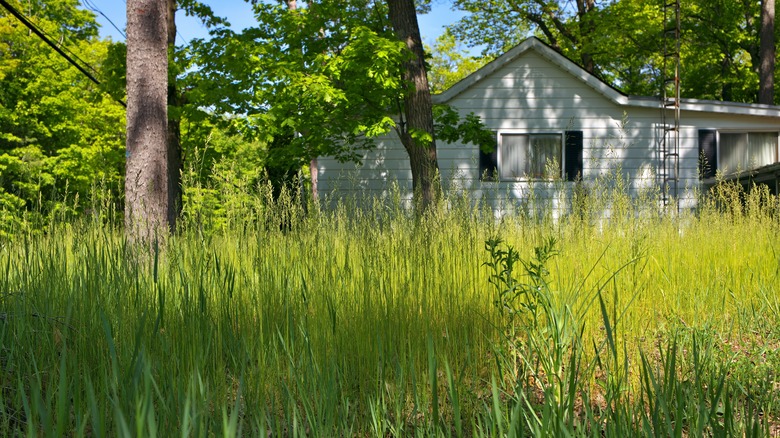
[(733, 152), (529, 155), (513, 156), (545, 151), (762, 149)]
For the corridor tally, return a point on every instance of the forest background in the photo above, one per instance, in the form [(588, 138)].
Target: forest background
[(238, 91), (264, 315)]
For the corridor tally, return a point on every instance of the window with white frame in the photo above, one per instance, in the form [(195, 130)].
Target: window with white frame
[(739, 151), (530, 156), (730, 151)]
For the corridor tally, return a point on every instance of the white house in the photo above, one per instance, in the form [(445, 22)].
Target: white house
[(555, 121)]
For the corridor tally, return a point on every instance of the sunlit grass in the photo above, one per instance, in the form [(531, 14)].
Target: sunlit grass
[(378, 322)]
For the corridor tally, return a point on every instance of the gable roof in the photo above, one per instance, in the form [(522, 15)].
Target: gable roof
[(533, 44)]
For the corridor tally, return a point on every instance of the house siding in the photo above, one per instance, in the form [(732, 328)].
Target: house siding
[(532, 94)]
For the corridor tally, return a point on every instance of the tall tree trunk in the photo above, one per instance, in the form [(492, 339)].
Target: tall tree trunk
[(313, 164), (726, 88), (174, 127), (314, 172), (417, 107), (147, 201), (587, 33), (766, 69)]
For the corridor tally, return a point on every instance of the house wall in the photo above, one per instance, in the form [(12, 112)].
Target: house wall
[(533, 95)]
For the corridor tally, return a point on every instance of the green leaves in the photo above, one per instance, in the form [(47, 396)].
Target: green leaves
[(330, 74), (451, 128), (448, 64), (623, 40), (61, 135)]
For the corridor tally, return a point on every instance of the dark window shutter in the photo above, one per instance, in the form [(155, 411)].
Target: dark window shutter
[(488, 165), (572, 168), (708, 153)]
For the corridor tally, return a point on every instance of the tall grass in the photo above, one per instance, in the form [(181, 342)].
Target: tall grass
[(289, 322)]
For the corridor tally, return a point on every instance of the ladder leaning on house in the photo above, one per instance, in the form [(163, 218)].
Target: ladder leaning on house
[(669, 150)]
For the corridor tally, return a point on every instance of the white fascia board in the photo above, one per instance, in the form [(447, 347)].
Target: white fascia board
[(710, 106), (730, 107)]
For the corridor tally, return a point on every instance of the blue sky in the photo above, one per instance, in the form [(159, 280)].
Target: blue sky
[(239, 14)]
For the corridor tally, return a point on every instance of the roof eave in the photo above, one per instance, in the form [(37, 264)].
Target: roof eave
[(711, 106)]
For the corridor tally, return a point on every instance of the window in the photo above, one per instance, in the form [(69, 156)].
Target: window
[(744, 151), (533, 156), (731, 152), (530, 156)]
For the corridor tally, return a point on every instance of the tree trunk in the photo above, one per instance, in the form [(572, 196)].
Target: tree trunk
[(174, 128), (314, 172), (727, 88), (313, 164), (147, 200), (587, 33), (766, 69), (418, 108)]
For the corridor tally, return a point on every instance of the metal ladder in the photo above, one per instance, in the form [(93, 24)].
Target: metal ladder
[(669, 150)]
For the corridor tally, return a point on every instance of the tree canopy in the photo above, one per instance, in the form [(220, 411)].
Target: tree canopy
[(449, 63), (322, 77), (60, 135), (326, 78), (621, 41)]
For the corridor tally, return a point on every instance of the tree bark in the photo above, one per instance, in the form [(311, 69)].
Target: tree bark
[(587, 30), (417, 107), (767, 53), (147, 199), (174, 128), (313, 164)]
